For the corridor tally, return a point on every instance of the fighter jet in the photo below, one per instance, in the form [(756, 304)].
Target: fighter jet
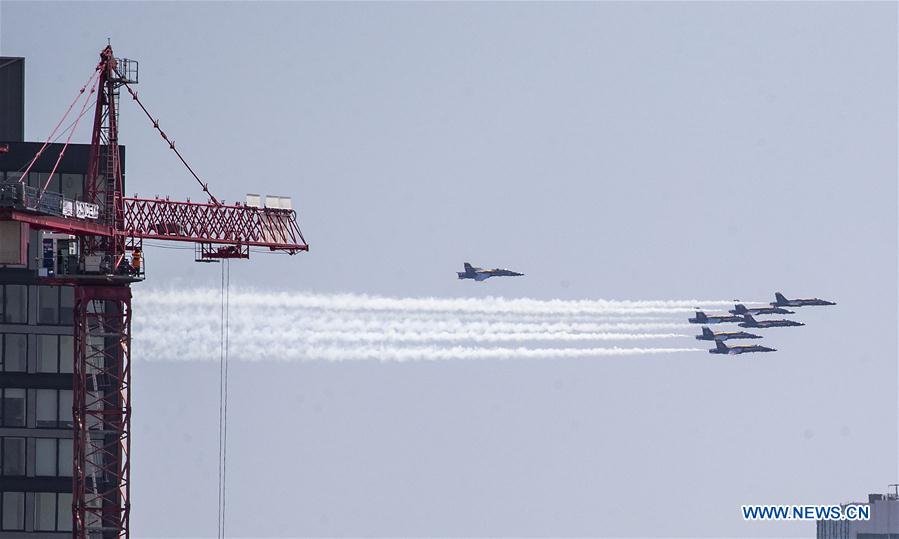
[(750, 322), (709, 335), (741, 309), (782, 301), (480, 274), (721, 348), (701, 318)]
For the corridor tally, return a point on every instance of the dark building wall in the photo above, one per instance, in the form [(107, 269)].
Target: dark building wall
[(12, 99)]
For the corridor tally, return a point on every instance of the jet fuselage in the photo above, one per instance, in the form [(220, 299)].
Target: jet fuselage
[(702, 318), (740, 309), (783, 301), (709, 335), (480, 274), (750, 322), (722, 348)]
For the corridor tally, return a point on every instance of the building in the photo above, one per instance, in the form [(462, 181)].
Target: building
[(36, 332), (883, 524)]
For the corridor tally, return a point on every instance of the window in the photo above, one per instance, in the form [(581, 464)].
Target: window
[(67, 304), (54, 353), (13, 511), (53, 457), (41, 180), (47, 411), (48, 305), (64, 512), (15, 352), (66, 353), (65, 409), (13, 407), (64, 457), (13, 456), (16, 308), (45, 511), (72, 185), (53, 408), (47, 353), (45, 457), (52, 511)]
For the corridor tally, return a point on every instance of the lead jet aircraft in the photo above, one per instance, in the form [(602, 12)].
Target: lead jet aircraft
[(750, 322), (702, 318), (709, 335), (480, 274), (741, 309), (782, 301), (721, 348)]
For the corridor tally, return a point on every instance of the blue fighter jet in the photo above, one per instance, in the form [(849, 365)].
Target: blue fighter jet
[(741, 309), (480, 274), (709, 335), (750, 322), (721, 348), (702, 318), (782, 301)]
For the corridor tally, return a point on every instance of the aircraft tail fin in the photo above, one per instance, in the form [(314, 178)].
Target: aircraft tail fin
[(468, 268), (740, 308), (706, 332), (749, 318), (780, 297), (700, 316), (721, 346)]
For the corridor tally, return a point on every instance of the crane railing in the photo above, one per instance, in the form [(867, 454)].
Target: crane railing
[(249, 226)]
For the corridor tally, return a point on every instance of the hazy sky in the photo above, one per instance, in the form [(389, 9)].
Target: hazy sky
[(621, 151)]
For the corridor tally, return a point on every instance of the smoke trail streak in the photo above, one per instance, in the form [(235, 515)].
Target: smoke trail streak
[(285, 322), (460, 352), (289, 353), (357, 302), (418, 337)]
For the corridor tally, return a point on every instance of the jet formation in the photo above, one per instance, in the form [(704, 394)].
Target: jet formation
[(481, 274), (745, 317)]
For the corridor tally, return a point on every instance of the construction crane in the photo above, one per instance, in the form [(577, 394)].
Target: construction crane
[(108, 228)]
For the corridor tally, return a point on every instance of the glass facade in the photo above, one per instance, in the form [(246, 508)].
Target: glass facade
[(37, 352)]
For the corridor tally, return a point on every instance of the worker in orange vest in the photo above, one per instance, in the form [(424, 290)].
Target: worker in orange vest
[(135, 261)]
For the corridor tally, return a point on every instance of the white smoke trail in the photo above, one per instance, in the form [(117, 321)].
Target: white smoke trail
[(289, 353), (419, 337), (359, 302), (461, 352), (261, 320)]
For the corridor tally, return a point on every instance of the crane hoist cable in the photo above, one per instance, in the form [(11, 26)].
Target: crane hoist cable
[(223, 396)]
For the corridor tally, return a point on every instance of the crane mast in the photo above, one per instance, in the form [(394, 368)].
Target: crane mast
[(108, 227)]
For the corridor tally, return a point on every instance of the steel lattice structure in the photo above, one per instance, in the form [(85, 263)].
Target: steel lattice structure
[(102, 411), (212, 223)]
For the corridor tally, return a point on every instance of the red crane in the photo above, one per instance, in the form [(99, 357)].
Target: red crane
[(109, 227)]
